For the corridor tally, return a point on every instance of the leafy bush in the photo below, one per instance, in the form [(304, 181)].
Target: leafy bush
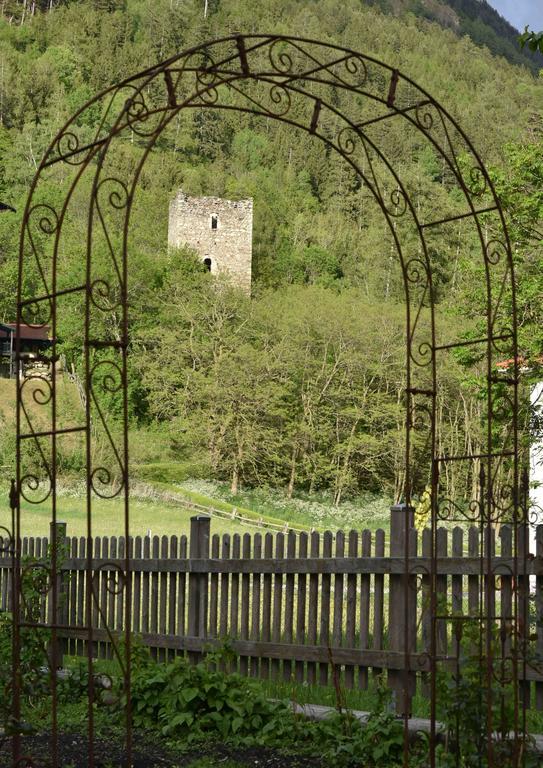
[(189, 701), (194, 702)]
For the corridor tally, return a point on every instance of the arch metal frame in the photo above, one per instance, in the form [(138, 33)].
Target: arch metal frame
[(340, 97)]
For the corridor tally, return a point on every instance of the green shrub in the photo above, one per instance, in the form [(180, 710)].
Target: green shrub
[(190, 701), (194, 702)]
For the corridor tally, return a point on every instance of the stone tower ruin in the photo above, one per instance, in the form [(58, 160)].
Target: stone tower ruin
[(220, 231)]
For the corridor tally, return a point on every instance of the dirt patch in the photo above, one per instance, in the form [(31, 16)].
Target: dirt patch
[(148, 753)]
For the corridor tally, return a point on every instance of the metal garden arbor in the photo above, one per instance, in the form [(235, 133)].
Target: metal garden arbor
[(345, 100)]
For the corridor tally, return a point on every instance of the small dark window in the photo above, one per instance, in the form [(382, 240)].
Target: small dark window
[(207, 263), (214, 221)]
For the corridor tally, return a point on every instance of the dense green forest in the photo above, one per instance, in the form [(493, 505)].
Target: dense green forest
[(300, 386)]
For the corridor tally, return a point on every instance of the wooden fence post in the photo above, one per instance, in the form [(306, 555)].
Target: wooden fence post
[(58, 593), (198, 582), (402, 625)]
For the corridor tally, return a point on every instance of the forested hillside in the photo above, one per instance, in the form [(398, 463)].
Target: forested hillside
[(301, 386), (476, 18)]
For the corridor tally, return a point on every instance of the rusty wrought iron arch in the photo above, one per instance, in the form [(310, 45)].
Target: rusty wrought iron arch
[(143, 106)]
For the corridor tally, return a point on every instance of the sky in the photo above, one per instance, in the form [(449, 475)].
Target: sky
[(521, 12)]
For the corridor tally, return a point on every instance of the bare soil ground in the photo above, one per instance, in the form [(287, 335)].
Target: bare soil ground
[(148, 753)]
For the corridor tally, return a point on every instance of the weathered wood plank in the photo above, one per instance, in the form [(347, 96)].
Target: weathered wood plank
[(163, 593), (312, 618), (245, 605), (234, 592), (172, 591), (136, 611), (337, 625), (350, 625), (182, 590), (506, 590), (266, 607), (81, 594), (364, 620), (378, 599), (111, 585), (457, 580), (324, 635), (301, 605), (214, 590), (289, 605), (523, 596), (100, 602), (225, 583), (154, 596), (255, 604), (426, 607), (72, 587), (145, 586), (473, 579), (277, 603)]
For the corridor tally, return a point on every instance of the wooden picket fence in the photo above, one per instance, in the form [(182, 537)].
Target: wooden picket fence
[(311, 608)]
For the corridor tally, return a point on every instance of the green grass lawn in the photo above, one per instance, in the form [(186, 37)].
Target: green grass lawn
[(155, 515)]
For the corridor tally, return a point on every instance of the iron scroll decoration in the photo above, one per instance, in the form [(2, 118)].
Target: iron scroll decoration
[(343, 98)]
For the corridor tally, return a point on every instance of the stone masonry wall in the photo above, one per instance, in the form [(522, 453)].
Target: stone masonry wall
[(229, 246)]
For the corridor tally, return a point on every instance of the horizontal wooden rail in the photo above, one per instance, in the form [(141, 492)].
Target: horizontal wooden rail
[(417, 566)]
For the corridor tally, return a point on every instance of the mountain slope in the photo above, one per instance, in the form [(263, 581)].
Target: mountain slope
[(475, 18)]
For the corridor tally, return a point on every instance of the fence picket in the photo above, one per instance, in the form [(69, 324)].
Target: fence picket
[(350, 626), (225, 579), (172, 592), (523, 596), (163, 595), (214, 590), (153, 607), (378, 599), (245, 605), (145, 587), (337, 626), (234, 592), (473, 581), (136, 611), (277, 603), (289, 606), (324, 636), (255, 604), (81, 593), (266, 606), (100, 594), (364, 621), (112, 578), (182, 590), (506, 590), (301, 606), (71, 644), (441, 590), (457, 582), (312, 617)]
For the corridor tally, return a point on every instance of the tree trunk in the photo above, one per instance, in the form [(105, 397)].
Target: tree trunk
[(234, 485), (294, 456)]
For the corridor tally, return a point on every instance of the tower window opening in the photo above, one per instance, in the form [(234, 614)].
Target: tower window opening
[(207, 264), (214, 221)]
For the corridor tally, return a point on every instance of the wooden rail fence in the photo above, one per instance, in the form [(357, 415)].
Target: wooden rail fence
[(307, 607)]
